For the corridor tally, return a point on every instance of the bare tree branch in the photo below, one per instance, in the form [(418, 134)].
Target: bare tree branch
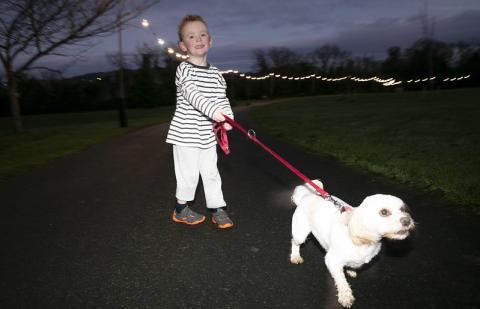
[(32, 29), (41, 26)]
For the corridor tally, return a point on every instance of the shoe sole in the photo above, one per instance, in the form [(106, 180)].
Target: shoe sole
[(174, 218), (222, 226)]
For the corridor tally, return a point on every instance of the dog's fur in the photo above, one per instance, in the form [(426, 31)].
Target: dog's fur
[(350, 238)]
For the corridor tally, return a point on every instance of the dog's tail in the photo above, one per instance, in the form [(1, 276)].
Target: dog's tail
[(303, 191)]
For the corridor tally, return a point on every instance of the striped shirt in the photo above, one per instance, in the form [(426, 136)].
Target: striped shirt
[(201, 90)]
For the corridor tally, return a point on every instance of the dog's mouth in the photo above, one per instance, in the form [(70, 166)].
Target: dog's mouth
[(401, 234)]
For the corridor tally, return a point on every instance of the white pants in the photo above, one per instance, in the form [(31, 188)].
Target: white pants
[(190, 162)]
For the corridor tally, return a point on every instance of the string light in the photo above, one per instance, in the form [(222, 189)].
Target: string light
[(385, 82), (161, 42)]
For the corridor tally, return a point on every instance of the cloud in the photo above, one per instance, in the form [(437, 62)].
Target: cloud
[(365, 39), (373, 39), (365, 28), (463, 27)]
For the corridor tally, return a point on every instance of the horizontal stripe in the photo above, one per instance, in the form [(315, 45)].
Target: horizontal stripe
[(200, 92)]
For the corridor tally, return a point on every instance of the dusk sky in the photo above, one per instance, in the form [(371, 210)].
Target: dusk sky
[(363, 27)]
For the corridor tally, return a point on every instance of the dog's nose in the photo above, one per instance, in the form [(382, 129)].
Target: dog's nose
[(405, 221)]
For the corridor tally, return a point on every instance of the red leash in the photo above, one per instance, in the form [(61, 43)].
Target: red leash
[(221, 135), (222, 140)]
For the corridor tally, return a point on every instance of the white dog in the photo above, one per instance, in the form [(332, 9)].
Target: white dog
[(350, 238)]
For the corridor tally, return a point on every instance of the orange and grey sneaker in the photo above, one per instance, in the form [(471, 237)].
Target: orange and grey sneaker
[(187, 216), (221, 219)]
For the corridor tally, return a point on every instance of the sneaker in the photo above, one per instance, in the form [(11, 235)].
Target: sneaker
[(188, 216), (221, 219)]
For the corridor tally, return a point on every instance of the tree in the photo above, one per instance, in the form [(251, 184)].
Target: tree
[(151, 53), (428, 58), (468, 58), (261, 62), (32, 29), (145, 91), (394, 64), (283, 59), (329, 57)]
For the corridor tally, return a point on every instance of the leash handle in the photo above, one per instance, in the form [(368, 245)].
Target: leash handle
[(320, 191), (221, 136)]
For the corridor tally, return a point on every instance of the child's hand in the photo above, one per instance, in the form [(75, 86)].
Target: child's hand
[(227, 126), (218, 115)]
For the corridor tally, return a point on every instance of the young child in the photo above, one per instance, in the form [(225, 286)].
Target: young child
[(201, 100)]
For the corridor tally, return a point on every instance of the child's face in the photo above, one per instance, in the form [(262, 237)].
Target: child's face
[(195, 39)]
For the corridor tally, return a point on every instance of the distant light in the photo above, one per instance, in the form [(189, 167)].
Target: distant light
[(145, 23), (170, 50), (99, 78), (160, 41)]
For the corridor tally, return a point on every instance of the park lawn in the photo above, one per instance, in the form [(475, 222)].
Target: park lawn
[(47, 137), (428, 139)]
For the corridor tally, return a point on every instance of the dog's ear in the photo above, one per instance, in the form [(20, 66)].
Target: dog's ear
[(359, 234)]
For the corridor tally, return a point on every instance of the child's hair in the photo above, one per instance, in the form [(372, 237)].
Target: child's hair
[(188, 19)]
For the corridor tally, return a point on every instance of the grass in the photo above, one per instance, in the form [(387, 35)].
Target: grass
[(51, 136), (428, 139)]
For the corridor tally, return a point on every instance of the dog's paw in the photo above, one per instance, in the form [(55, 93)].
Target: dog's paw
[(296, 259), (345, 298), (351, 273)]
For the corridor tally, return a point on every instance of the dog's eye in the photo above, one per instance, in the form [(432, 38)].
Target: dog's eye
[(385, 212)]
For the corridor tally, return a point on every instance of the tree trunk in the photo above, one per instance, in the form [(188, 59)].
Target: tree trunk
[(13, 97), (271, 86), (122, 114)]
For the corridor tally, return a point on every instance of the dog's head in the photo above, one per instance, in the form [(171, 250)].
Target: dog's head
[(380, 216)]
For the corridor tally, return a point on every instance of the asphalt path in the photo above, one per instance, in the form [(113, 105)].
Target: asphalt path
[(93, 230)]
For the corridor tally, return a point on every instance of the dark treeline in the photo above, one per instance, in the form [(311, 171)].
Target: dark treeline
[(151, 83), (425, 58)]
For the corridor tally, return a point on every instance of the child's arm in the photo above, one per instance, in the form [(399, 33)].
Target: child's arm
[(225, 109), (224, 103), (191, 93)]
